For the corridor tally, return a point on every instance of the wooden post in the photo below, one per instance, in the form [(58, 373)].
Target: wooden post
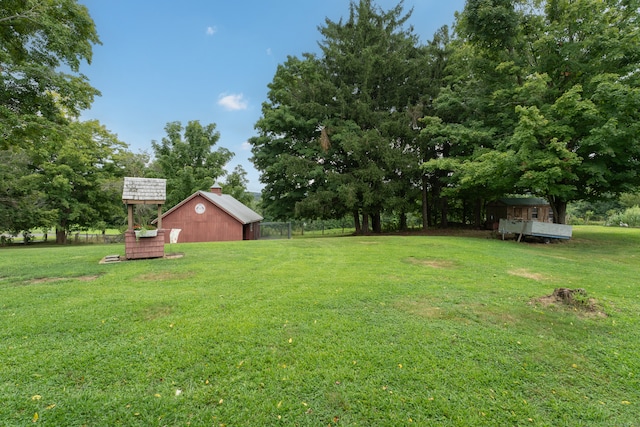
[(130, 216), (522, 231), (159, 216)]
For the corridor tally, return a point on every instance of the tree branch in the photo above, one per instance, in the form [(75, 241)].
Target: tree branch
[(29, 14)]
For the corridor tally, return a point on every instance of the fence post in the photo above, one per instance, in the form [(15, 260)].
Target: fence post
[(289, 235)]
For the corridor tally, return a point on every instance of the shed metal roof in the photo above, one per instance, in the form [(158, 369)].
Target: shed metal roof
[(233, 207), (238, 210)]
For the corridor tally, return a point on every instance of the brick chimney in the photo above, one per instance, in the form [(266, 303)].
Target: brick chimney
[(216, 189)]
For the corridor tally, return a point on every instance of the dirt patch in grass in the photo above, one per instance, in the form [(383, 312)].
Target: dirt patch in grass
[(174, 255), (461, 313), (523, 272), (575, 300), (422, 308), (86, 278), (164, 275), (431, 262), (59, 279), (156, 312), (495, 316)]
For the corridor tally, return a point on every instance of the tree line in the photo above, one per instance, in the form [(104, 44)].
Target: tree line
[(519, 97)]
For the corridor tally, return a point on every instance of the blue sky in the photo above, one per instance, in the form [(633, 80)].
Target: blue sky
[(209, 60)]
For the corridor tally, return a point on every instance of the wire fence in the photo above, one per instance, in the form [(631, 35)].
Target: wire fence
[(275, 230), (296, 229), (77, 237)]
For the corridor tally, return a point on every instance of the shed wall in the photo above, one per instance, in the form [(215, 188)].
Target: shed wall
[(252, 231), (528, 213), (495, 212), (214, 225)]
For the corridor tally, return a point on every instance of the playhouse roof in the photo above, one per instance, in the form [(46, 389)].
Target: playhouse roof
[(144, 190), (522, 201)]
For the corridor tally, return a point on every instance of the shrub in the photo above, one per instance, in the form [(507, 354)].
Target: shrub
[(630, 217)]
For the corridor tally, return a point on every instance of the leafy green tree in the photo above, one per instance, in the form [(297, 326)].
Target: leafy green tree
[(22, 199), (235, 185), (70, 180), (38, 40), (598, 210), (186, 160), (559, 93), (455, 130), (630, 217), (629, 200), (79, 176), (590, 103), (134, 164)]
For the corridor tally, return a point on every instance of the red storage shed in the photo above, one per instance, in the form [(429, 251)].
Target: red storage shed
[(211, 217)]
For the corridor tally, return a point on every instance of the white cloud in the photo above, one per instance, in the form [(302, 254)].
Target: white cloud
[(246, 146), (233, 102), (211, 31)]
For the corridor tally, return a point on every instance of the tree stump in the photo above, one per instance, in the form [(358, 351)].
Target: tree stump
[(567, 296)]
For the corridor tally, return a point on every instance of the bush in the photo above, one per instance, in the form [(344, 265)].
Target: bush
[(630, 217)]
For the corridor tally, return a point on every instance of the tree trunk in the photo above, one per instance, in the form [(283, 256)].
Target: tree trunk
[(444, 212), (559, 208), (365, 223), (356, 222), (403, 221), (477, 212), (425, 204), (61, 236), (464, 212), (436, 202), (376, 223)]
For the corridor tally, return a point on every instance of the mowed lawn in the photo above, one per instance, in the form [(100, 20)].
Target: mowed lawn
[(368, 331)]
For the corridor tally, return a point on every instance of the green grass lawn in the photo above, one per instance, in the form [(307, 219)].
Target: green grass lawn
[(368, 331)]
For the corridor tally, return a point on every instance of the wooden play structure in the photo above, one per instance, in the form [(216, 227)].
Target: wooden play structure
[(144, 243)]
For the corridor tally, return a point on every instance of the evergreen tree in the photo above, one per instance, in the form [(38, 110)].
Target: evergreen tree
[(329, 140)]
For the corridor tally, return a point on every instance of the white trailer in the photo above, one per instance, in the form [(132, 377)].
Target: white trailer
[(546, 230)]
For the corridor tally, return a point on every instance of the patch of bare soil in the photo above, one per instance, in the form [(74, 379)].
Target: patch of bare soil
[(165, 275), (109, 259), (156, 312), (429, 308), (523, 272), (59, 279), (430, 262), (574, 299), (174, 255), (421, 308), (45, 280)]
